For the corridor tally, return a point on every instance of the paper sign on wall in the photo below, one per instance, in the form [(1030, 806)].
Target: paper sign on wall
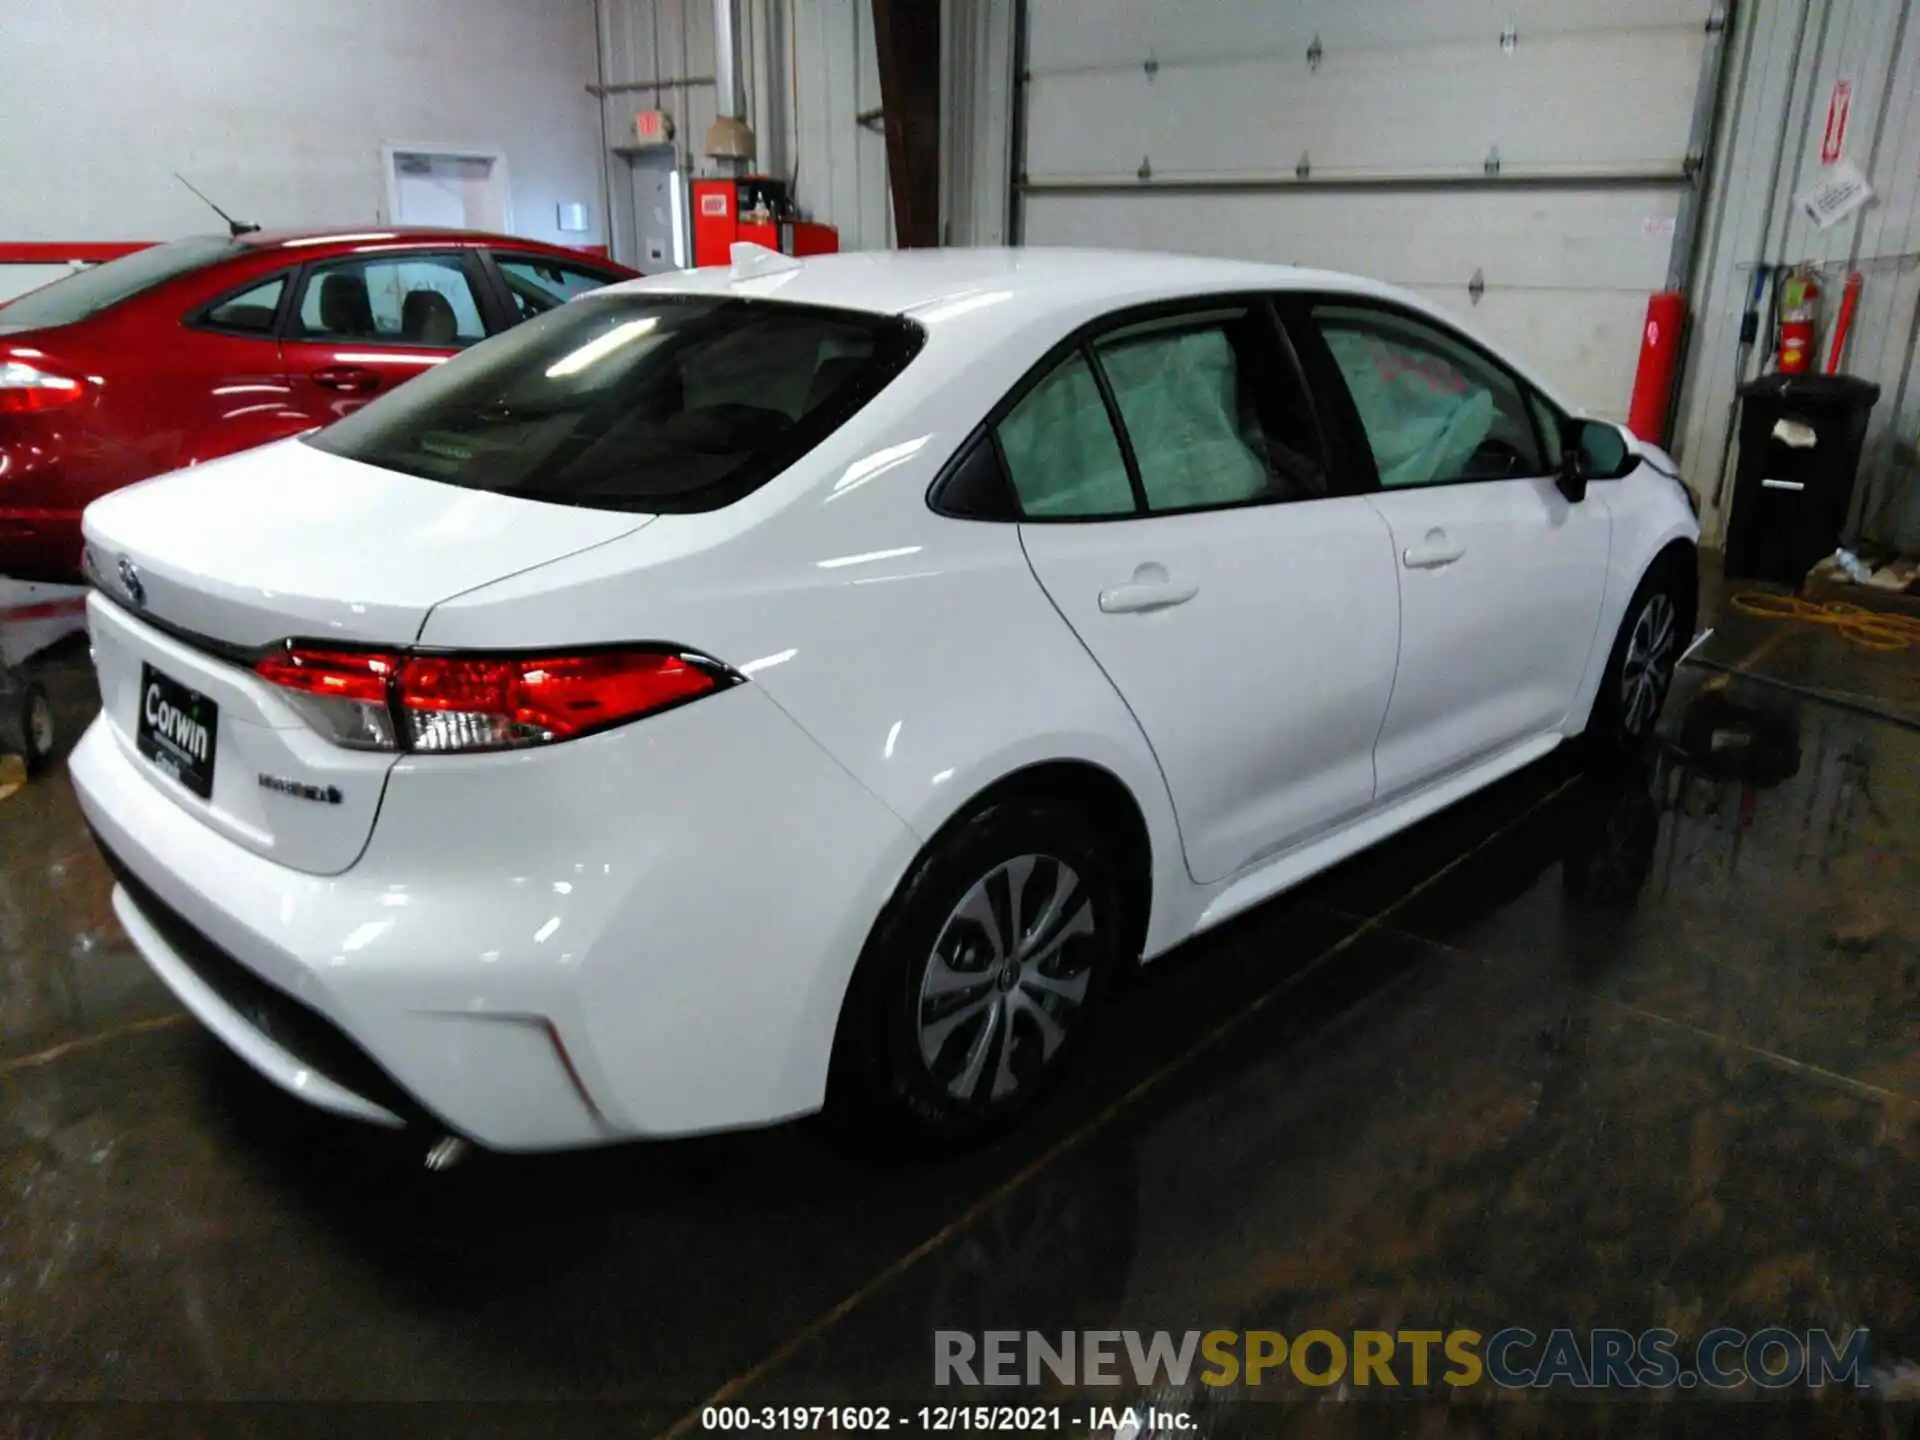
[(1841, 192), (1834, 139)]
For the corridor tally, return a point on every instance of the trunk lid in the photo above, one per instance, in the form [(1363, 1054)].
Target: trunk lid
[(289, 541), (202, 569)]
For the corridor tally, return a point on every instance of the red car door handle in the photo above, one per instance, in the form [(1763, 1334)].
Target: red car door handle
[(348, 379)]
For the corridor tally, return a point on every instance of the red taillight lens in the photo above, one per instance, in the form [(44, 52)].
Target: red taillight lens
[(452, 703), (341, 693), (338, 674), (25, 388), (460, 703)]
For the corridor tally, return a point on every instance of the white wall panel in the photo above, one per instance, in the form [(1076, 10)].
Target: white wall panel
[(842, 164), (278, 109), (1090, 33), (1407, 110), (1217, 106), (1790, 53)]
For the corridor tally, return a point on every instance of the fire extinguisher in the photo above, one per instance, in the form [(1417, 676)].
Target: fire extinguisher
[(1799, 306)]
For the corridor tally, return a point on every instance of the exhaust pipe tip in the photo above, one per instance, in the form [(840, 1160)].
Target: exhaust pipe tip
[(447, 1152)]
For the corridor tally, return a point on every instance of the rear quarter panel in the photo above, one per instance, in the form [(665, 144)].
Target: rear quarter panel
[(917, 650)]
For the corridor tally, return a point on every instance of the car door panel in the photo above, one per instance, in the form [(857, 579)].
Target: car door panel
[(1500, 577), (362, 325), (1258, 659), (1180, 512), (1494, 642)]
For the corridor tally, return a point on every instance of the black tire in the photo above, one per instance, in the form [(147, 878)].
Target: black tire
[(26, 724), (908, 1068), (1654, 632)]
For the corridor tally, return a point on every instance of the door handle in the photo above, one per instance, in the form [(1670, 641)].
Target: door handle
[(1433, 552), (1145, 595), (347, 379)]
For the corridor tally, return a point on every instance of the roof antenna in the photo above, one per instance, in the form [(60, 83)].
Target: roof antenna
[(235, 228)]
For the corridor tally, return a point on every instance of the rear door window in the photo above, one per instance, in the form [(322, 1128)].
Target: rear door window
[(1214, 411), (251, 312), (634, 402), (411, 300), (1062, 454)]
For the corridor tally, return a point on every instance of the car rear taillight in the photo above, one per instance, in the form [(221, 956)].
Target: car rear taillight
[(447, 704), (345, 695), (25, 388)]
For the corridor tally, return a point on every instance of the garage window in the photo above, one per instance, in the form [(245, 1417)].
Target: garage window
[(1435, 410), (634, 402)]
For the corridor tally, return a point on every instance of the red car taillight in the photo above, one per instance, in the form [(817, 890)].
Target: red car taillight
[(25, 388), (446, 704)]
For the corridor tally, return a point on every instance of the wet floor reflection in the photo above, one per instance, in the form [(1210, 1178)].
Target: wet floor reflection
[(1644, 1052)]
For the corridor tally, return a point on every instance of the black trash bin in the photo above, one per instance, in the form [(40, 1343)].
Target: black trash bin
[(1790, 500)]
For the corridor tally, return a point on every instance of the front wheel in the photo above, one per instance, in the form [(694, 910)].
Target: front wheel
[(981, 978), (1639, 673)]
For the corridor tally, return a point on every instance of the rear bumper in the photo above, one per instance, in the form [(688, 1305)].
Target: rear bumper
[(644, 933)]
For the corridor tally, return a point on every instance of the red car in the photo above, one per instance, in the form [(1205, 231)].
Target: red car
[(204, 346)]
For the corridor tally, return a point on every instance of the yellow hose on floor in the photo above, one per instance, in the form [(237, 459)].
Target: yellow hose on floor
[(1868, 629)]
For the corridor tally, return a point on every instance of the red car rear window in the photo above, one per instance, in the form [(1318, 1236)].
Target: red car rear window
[(91, 291)]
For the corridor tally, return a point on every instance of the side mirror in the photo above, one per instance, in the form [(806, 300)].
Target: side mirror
[(1596, 450)]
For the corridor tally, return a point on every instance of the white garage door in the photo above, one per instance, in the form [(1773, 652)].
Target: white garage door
[(1540, 146)]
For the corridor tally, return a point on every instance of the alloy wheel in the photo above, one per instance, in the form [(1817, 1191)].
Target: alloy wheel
[(1652, 648), (39, 725), (1008, 978)]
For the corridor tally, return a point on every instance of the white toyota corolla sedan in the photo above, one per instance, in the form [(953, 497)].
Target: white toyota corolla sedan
[(739, 691)]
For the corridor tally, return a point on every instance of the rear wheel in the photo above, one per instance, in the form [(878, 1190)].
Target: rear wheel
[(1653, 636), (981, 978), (26, 724)]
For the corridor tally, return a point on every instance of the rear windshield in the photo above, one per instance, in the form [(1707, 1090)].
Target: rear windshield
[(634, 402), (91, 291)]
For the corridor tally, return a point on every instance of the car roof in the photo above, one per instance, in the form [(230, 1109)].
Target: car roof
[(914, 282), (397, 235), (976, 293)]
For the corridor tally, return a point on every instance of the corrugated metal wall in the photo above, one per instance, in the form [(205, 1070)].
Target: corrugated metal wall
[(1786, 56), (810, 69), (976, 108)]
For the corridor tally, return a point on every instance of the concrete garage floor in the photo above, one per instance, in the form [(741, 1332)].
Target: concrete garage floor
[(1627, 1047)]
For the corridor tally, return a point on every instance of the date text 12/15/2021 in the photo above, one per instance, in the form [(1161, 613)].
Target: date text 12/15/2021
[(1118, 1420)]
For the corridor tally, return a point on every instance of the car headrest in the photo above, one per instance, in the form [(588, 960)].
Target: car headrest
[(345, 308), (426, 318)]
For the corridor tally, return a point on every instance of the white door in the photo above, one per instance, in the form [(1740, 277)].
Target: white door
[(1244, 609), (461, 192), (1541, 146), (1501, 577), (659, 211)]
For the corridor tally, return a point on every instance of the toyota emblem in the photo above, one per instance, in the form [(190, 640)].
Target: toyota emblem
[(130, 582)]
